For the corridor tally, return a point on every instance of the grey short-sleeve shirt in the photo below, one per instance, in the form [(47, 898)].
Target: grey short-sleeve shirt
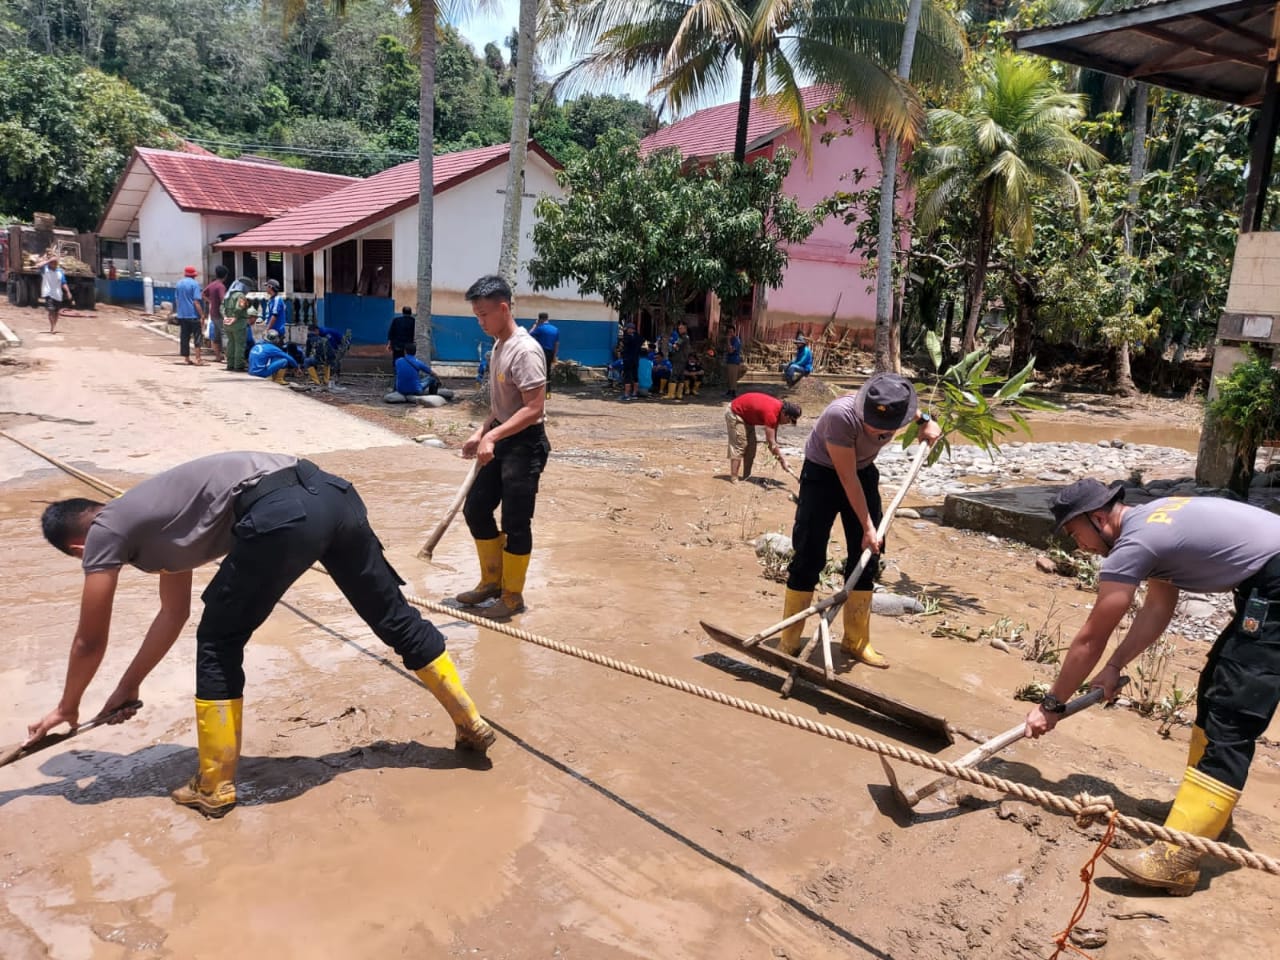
[(1200, 544), (517, 365), (179, 519), (841, 426)]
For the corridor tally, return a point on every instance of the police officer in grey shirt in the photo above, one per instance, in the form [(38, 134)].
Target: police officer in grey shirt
[(1206, 545), (271, 517)]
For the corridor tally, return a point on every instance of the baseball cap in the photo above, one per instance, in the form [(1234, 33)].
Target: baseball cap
[(1083, 496), (887, 401)]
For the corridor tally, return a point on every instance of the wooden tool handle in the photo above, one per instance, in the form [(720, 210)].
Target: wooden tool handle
[(53, 739), (429, 547)]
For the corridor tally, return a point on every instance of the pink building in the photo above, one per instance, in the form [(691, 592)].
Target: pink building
[(825, 280)]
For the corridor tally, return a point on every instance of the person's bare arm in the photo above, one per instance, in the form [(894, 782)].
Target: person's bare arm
[(1152, 621), (87, 649), (175, 608)]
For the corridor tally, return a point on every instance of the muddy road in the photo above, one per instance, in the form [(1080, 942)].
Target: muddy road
[(617, 818)]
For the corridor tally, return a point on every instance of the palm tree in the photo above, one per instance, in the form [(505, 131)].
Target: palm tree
[(513, 205), (1012, 138), (693, 47)]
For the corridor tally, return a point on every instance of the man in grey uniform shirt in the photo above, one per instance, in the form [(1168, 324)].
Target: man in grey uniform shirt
[(272, 516), (1205, 545)]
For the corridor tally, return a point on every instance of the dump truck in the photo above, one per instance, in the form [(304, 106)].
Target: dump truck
[(23, 245)]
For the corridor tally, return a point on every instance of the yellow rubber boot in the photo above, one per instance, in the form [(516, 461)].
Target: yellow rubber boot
[(324, 374), (1202, 807), (515, 567), (693, 386), (278, 376), (313, 376), (490, 585), (671, 389), (441, 678), (212, 790), (857, 630), (793, 601)]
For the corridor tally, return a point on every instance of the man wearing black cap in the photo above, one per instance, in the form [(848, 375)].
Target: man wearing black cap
[(840, 477), (1205, 545)]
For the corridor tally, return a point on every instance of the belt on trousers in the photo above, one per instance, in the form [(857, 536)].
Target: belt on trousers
[(288, 477)]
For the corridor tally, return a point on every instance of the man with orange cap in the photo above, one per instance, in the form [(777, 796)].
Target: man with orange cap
[(188, 307)]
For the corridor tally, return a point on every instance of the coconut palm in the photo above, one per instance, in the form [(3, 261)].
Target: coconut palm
[(1013, 138), (513, 204), (692, 48)]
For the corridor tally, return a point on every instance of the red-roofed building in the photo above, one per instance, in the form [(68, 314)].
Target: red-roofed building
[(824, 280), (356, 249), (179, 203)]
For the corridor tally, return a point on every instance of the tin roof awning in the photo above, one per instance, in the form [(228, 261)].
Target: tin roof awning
[(1210, 48)]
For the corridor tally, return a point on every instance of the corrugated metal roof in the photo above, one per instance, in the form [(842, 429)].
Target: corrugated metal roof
[(711, 131), (1210, 48), (328, 220)]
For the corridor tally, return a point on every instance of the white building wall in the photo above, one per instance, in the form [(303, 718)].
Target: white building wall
[(171, 239)]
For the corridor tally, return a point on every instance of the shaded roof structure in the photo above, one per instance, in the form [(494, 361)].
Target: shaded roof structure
[(709, 132), (1210, 48), (330, 219), (203, 183)]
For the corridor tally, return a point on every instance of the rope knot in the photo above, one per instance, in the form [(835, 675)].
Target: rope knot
[(1091, 808)]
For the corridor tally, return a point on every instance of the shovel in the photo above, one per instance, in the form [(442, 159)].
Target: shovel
[(53, 739), (909, 798)]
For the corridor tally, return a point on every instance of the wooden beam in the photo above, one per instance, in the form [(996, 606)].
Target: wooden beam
[(1195, 43), (1228, 27), (1175, 62), (1030, 41), (1261, 152)]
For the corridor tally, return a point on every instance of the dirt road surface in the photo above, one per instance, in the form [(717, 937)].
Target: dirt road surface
[(617, 819)]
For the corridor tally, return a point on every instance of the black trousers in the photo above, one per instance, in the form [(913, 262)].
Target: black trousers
[(188, 330), (287, 522), (1240, 684), (822, 497), (510, 479)]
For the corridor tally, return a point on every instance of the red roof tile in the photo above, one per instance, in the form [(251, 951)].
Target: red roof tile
[(324, 222), (209, 184), (711, 131)]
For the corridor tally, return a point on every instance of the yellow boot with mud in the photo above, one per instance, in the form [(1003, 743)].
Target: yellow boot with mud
[(671, 389), (490, 585), (857, 630), (278, 376), (793, 601), (212, 790), (313, 376), (1202, 807), (515, 566), (1195, 752), (473, 731)]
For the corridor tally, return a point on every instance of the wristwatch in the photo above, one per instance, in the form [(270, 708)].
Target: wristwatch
[(1051, 704), (923, 417)]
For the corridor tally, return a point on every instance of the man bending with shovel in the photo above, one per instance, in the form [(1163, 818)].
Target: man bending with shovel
[(271, 517), (1206, 545), (840, 477)]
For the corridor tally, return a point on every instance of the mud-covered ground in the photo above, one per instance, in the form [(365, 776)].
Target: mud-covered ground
[(617, 818)]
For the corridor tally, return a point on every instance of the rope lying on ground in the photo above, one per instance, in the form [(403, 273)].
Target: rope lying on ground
[(1084, 808)]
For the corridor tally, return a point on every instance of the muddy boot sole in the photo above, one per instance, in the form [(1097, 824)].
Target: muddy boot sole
[(477, 740), (213, 808), (473, 598)]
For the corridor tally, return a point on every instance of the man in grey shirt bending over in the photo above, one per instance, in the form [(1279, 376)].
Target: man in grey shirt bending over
[(1205, 545), (272, 516)]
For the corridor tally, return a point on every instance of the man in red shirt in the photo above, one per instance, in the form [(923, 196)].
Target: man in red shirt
[(214, 294), (741, 418)]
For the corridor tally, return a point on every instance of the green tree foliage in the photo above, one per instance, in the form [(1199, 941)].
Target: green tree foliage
[(645, 233), (1248, 411), (1013, 136), (65, 134)]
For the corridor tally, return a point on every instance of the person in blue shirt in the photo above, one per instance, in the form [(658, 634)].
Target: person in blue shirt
[(732, 360), (413, 377), (548, 337), (644, 370), (189, 309), (266, 359), (276, 314), (661, 374), (802, 365)]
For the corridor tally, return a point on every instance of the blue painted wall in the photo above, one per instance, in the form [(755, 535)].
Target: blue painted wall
[(129, 291)]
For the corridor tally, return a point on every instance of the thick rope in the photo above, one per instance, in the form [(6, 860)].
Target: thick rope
[(1063, 939), (1083, 808)]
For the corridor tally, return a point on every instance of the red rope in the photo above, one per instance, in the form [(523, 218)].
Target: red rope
[(1086, 876)]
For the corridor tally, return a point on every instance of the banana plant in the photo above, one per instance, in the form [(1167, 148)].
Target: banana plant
[(958, 401)]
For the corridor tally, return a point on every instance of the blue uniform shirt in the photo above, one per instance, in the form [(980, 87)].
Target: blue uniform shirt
[(804, 358), (185, 295), (277, 314), (266, 358), (734, 353), (547, 336), (407, 369)]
